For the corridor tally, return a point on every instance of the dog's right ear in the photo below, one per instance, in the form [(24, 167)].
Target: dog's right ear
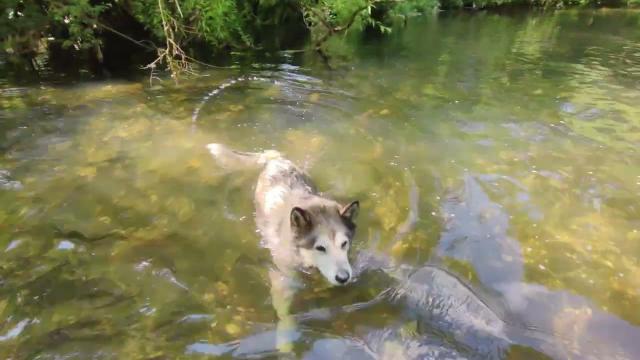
[(300, 220), (350, 212)]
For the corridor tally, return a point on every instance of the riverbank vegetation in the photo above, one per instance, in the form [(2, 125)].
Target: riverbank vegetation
[(176, 33)]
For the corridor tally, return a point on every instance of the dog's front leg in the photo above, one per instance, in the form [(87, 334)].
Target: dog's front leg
[(283, 289)]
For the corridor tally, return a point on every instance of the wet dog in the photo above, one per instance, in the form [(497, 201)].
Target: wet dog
[(300, 227)]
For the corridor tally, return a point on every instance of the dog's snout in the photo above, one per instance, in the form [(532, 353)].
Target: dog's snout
[(342, 276)]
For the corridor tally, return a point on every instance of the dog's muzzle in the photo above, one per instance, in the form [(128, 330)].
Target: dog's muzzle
[(342, 276)]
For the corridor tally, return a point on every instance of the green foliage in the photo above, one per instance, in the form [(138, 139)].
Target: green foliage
[(219, 23), (80, 18), (27, 26), (412, 7), (340, 12), (328, 17), (21, 25)]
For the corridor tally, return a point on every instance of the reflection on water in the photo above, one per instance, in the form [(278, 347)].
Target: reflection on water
[(476, 231), (577, 326), (121, 238)]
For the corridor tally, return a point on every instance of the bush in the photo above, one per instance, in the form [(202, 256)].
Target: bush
[(218, 23), (28, 26)]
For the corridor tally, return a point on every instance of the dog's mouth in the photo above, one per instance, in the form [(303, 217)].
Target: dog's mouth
[(313, 275)]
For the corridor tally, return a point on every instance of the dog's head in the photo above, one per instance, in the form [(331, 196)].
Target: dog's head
[(323, 233)]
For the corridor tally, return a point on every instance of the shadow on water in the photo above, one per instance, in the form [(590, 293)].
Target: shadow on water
[(477, 232)]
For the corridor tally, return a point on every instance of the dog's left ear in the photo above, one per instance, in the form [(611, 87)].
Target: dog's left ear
[(300, 220), (350, 212)]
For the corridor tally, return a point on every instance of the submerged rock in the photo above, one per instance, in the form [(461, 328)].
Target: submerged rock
[(443, 303), (66, 245), (370, 344), (6, 183), (568, 107), (383, 344)]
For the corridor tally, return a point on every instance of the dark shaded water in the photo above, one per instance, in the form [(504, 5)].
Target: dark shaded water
[(119, 237)]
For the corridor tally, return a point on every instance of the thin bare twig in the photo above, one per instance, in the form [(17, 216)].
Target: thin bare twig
[(125, 36), (172, 54), (178, 7)]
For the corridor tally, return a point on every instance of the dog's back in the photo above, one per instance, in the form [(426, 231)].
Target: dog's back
[(281, 186)]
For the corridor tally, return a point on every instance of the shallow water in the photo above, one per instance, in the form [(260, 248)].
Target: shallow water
[(121, 238)]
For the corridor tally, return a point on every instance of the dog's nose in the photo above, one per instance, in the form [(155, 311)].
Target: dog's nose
[(342, 276)]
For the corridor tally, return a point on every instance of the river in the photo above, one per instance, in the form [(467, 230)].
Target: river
[(121, 238)]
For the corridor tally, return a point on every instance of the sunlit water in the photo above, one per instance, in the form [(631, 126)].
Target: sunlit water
[(121, 238)]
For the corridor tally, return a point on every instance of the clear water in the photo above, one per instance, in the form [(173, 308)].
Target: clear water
[(120, 238)]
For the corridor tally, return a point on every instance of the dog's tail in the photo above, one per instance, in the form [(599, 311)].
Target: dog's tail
[(236, 160)]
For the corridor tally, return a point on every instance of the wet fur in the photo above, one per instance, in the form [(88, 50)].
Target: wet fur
[(299, 226)]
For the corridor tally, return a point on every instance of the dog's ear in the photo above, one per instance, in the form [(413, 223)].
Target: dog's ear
[(350, 212), (300, 220)]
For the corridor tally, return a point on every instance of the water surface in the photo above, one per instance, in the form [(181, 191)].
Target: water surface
[(120, 238)]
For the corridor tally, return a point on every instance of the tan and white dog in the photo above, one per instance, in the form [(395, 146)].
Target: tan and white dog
[(300, 227)]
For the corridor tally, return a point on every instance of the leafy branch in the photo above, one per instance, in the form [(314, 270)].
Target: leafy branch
[(314, 17)]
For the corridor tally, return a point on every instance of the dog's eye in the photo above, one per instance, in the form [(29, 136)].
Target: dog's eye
[(344, 245), (321, 248)]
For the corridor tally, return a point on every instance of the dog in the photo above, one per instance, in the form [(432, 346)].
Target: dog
[(301, 228)]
